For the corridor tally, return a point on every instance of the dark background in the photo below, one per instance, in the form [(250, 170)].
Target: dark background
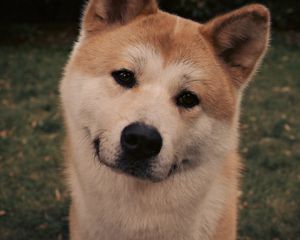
[(285, 14)]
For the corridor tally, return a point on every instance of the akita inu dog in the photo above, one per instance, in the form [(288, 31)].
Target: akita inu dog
[(151, 106)]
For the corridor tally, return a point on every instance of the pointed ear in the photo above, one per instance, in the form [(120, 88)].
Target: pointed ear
[(240, 40), (100, 14)]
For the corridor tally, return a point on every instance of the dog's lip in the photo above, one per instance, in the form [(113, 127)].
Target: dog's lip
[(175, 167), (116, 168), (109, 165), (96, 143), (120, 171)]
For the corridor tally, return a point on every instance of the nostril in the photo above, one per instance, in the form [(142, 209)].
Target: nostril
[(132, 140)]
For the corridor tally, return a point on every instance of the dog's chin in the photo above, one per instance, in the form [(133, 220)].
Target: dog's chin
[(139, 174)]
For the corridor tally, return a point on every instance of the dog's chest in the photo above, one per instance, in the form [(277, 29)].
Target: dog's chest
[(123, 222), (109, 215)]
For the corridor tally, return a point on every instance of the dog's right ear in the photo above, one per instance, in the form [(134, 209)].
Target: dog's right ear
[(100, 14), (240, 39)]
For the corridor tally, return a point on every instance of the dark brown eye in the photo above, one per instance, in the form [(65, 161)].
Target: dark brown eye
[(187, 99), (124, 77)]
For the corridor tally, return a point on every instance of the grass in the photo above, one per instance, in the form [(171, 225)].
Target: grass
[(33, 201)]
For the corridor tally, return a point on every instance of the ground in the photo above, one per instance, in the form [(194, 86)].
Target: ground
[(33, 200)]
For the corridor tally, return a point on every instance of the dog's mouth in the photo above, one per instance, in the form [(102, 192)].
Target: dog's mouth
[(96, 144), (126, 164), (176, 167)]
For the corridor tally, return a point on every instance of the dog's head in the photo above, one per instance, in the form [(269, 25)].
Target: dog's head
[(156, 93)]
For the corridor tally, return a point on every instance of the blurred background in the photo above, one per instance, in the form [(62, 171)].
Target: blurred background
[(36, 37), (22, 20)]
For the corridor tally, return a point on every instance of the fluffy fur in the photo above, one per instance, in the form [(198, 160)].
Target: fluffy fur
[(168, 55)]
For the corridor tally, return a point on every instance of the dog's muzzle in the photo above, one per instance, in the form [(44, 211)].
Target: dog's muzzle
[(140, 145)]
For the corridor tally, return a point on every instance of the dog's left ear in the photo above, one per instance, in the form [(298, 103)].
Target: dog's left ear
[(240, 40), (102, 14)]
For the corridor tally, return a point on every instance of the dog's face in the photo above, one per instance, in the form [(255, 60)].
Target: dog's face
[(156, 94)]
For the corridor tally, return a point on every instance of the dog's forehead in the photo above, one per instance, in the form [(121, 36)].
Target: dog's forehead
[(168, 42), (173, 38), (176, 38)]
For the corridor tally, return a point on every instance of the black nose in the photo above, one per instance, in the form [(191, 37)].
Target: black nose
[(141, 141)]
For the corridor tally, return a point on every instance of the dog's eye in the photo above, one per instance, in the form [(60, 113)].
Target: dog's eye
[(124, 77), (187, 99)]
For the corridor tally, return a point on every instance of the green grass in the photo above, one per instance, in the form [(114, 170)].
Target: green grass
[(33, 201)]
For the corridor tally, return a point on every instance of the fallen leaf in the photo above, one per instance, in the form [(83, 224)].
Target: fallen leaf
[(57, 195), (4, 133), (287, 127), (2, 213)]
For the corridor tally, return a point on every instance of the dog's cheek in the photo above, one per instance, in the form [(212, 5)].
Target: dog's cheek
[(94, 103), (196, 138), (208, 140)]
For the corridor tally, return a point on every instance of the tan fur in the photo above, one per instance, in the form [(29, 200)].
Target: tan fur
[(168, 55)]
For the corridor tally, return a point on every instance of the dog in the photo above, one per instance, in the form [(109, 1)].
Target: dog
[(151, 105)]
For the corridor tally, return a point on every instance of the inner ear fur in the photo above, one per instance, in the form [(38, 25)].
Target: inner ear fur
[(240, 39), (103, 13)]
